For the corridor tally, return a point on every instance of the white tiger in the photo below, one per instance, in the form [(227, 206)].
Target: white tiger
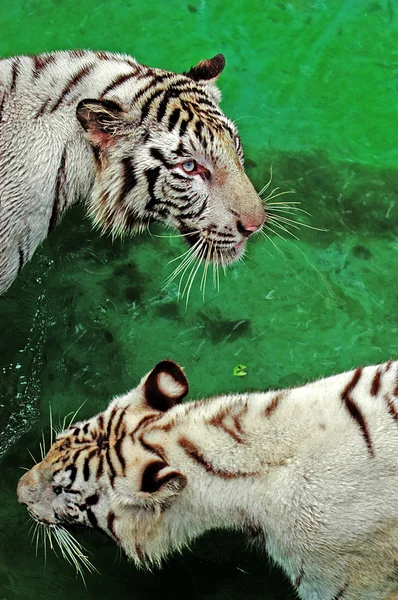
[(136, 143), (310, 473)]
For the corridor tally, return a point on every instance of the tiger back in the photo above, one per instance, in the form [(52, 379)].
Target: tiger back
[(134, 143)]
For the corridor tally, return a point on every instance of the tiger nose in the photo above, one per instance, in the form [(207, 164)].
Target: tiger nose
[(247, 229), (26, 489)]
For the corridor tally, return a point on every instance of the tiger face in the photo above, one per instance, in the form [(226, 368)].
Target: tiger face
[(171, 155), (101, 474)]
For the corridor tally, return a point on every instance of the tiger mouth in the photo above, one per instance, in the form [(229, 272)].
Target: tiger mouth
[(213, 249)]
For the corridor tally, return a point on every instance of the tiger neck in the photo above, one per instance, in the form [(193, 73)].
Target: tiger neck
[(230, 448)]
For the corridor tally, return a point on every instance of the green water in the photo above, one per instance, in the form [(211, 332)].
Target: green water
[(313, 86)]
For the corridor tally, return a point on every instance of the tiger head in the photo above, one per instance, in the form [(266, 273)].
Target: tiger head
[(167, 152), (101, 473)]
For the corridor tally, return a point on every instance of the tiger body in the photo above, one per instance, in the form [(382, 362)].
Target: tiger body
[(309, 473), (99, 127)]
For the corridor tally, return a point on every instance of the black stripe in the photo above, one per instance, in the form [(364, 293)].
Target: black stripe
[(14, 73), (187, 109), (3, 99), (86, 469), (118, 81), (151, 177), (86, 466), (60, 180), (147, 105), (77, 453), (92, 518), (354, 410), (40, 63), (198, 130), (112, 474), (158, 155), (376, 382), (93, 499), (73, 82), (129, 178), (100, 421), (110, 523), (73, 473), (100, 467), (119, 454), (119, 423), (42, 109), (173, 119), (183, 127), (109, 426), (163, 105), (21, 258), (143, 91)]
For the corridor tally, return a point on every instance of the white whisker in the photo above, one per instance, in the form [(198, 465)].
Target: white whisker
[(32, 457), (267, 184), (200, 259)]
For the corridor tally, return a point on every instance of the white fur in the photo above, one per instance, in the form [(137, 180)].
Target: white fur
[(294, 468)]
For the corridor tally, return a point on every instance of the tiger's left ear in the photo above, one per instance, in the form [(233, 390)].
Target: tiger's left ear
[(165, 386), (207, 72), (103, 121)]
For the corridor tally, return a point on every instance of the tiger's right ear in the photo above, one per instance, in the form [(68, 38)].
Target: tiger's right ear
[(165, 386), (102, 120)]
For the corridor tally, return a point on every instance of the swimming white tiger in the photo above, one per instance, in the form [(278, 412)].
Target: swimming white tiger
[(137, 143), (310, 473)]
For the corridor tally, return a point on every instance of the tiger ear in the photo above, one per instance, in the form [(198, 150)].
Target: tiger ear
[(102, 120), (158, 485), (207, 70), (165, 386)]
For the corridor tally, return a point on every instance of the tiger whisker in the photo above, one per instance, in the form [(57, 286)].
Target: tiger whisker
[(275, 232), (267, 184), (73, 552), (32, 457), (293, 223), (283, 203), (194, 257), (205, 269), (187, 259), (178, 235), (185, 253), (280, 226), (290, 210), (271, 196), (51, 425), (189, 255), (279, 219), (75, 413), (200, 259), (267, 237)]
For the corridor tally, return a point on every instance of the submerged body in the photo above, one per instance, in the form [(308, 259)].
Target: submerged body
[(309, 473), (133, 142)]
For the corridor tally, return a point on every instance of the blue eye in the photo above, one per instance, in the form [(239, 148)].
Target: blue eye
[(190, 166)]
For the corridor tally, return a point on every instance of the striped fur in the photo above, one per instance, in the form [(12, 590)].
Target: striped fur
[(101, 128), (311, 474)]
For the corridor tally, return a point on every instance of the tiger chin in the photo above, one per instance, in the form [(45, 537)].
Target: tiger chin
[(310, 474), (136, 144)]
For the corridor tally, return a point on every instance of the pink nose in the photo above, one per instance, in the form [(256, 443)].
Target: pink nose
[(247, 229), (252, 228)]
